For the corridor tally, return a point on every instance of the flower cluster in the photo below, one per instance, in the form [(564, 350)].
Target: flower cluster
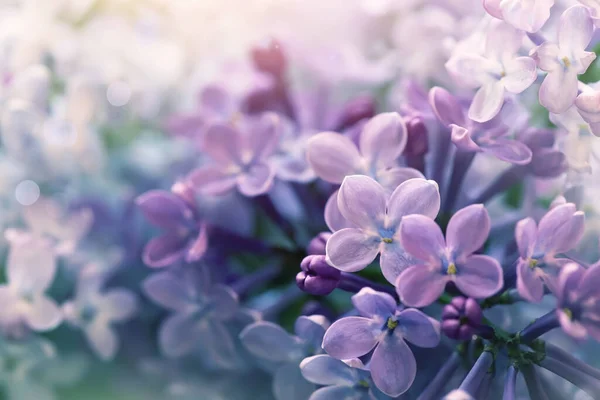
[(398, 205)]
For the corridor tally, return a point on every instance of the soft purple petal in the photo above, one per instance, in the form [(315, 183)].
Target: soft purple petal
[(525, 236), (288, 383), (470, 69), (212, 180), (256, 181), (102, 339), (575, 30), (461, 137), (394, 259), (554, 229), (393, 366), (569, 280), (311, 328), (573, 328), (269, 341), (383, 139), (351, 249), (527, 16), (590, 282), (546, 56), (42, 314), (479, 276), (371, 303), (340, 392), (493, 8), (468, 230), (164, 250), (422, 238), (520, 74), (333, 156), (529, 285), (30, 266), (576, 230), (446, 107), (351, 337), (224, 302), (325, 370), (166, 290), (265, 135), (333, 217), (164, 209), (362, 201), (508, 150), (502, 40), (415, 196), (420, 286), (118, 304), (391, 178), (222, 144), (418, 328), (487, 102), (197, 247), (548, 163), (178, 334), (558, 90), (216, 98)]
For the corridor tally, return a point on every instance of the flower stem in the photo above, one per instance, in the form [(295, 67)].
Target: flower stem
[(475, 376), (462, 162), (588, 384), (510, 383), (559, 354), (433, 389), (533, 382), (502, 183), (537, 328)]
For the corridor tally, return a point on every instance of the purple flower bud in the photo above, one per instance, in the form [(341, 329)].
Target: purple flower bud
[(317, 244), (317, 277), (461, 318), (417, 143), (359, 108), (270, 58)]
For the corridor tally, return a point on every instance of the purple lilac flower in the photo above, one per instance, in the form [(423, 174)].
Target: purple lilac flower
[(30, 270), (185, 236), (289, 160), (269, 342), (239, 156), (384, 327), (546, 160), (440, 261), (364, 202), (565, 59), (348, 379), (497, 71), (94, 311), (317, 244), (199, 310), (578, 300), (317, 276), (588, 105), (471, 136), (461, 318), (558, 231), (527, 16)]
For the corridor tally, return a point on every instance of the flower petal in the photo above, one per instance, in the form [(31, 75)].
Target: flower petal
[(102, 339), (212, 180), (269, 341), (351, 249), (265, 135), (572, 328), (418, 328), (529, 285), (178, 334), (164, 209), (391, 178), (446, 107), (555, 231), (393, 366), (487, 102), (43, 314), (468, 230), (256, 181), (493, 8), (326, 370), (197, 248), (508, 150), (415, 196), (30, 266), (520, 74), (333, 156), (333, 217), (479, 276), (420, 286), (383, 139), (168, 291), (164, 250), (422, 238), (526, 235), (351, 337), (558, 90), (394, 259), (575, 30), (222, 144), (311, 328), (225, 302), (288, 383), (118, 304), (339, 392), (371, 303), (362, 201)]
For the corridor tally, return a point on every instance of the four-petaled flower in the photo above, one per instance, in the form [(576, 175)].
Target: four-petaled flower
[(364, 202), (384, 327), (558, 231), (526, 15), (565, 59), (451, 260)]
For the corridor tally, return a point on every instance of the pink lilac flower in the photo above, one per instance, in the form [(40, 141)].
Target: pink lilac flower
[(528, 15), (470, 136), (497, 71), (240, 157), (452, 260), (565, 59), (558, 231), (384, 328), (184, 237), (578, 300), (376, 217)]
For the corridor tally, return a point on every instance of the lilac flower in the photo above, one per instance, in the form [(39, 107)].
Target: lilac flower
[(240, 157), (289, 160), (578, 300), (185, 235), (474, 137), (269, 342), (461, 318), (364, 202), (317, 276), (30, 270), (384, 327), (577, 144), (588, 105), (546, 161), (527, 16), (565, 59), (452, 260), (594, 8), (316, 246), (94, 311), (199, 310), (348, 379), (498, 70), (558, 231)]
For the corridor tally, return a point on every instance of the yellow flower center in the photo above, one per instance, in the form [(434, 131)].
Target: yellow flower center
[(387, 240), (451, 269), (533, 263), (568, 312), (391, 324), (566, 61), (363, 383)]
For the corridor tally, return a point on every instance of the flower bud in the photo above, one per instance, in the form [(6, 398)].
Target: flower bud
[(359, 108), (461, 318), (317, 277), (417, 143), (317, 244), (270, 58)]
